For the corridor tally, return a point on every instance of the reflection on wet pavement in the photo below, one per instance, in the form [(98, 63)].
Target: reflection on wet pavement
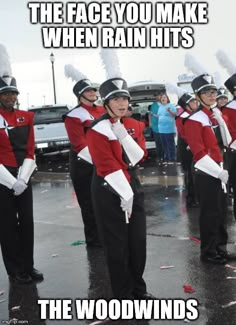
[(75, 272)]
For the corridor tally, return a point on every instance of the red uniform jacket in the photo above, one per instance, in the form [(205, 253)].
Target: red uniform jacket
[(76, 121), (16, 137), (179, 123), (230, 112), (200, 137), (106, 150)]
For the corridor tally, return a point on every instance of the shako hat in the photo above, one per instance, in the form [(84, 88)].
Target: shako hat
[(81, 86), (114, 87), (8, 83), (230, 83), (203, 82), (222, 93), (185, 99)]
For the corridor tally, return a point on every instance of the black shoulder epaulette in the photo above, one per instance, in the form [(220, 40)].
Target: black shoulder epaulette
[(104, 116), (65, 115), (197, 110), (177, 116), (227, 104)]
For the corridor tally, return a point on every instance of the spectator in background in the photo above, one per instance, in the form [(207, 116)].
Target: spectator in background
[(154, 125), (166, 126)]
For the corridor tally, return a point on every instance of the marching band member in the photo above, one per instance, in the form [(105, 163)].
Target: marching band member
[(117, 144), (16, 167), (211, 178), (81, 166)]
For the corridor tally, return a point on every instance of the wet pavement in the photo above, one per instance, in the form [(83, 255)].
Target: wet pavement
[(74, 273)]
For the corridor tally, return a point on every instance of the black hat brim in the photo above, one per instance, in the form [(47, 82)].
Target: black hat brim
[(118, 93), (9, 89)]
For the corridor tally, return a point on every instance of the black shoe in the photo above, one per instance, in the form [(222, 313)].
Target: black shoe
[(20, 278), (228, 256), (144, 296), (217, 259), (36, 275)]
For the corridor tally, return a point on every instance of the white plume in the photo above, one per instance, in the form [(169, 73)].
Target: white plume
[(225, 62), (174, 89), (217, 80), (110, 62), (73, 73), (193, 65), (5, 65)]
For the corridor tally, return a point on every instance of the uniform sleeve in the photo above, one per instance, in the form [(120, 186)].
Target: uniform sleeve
[(229, 116), (76, 135), (193, 136), (30, 147), (141, 140), (179, 126), (101, 150)]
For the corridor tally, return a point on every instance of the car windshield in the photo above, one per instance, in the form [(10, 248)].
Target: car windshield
[(46, 115)]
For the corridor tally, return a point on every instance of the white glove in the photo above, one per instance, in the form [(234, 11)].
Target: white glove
[(218, 116), (127, 205), (224, 176), (19, 187), (119, 130)]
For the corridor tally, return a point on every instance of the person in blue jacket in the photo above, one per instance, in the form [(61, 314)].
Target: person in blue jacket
[(154, 125), (166, 125)]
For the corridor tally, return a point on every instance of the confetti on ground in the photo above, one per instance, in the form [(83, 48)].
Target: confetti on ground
[(78, 242), (186, 320), (229, 304), (15, 308), (188, 289), (44, 191), (55, 255), (230, 266), (3, 300), (166, 198), (2, 293), (183, 238), (195, 239), (166, 267), (231, 277)]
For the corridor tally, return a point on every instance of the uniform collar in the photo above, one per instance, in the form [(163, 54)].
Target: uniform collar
[(87, 106)]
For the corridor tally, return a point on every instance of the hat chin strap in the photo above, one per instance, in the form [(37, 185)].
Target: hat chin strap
[(6, 108), (202, 101), (115, 116), (91, 101)]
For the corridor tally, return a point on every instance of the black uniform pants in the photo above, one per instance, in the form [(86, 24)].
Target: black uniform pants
[(232, 175), (213, 213), (124, 244), (17, 230), (185, 156), (81, 175)]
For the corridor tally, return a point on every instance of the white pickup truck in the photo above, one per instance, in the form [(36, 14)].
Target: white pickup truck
[(50, 133)]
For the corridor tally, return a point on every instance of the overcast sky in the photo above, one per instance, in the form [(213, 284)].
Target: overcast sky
[(32, 68)]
